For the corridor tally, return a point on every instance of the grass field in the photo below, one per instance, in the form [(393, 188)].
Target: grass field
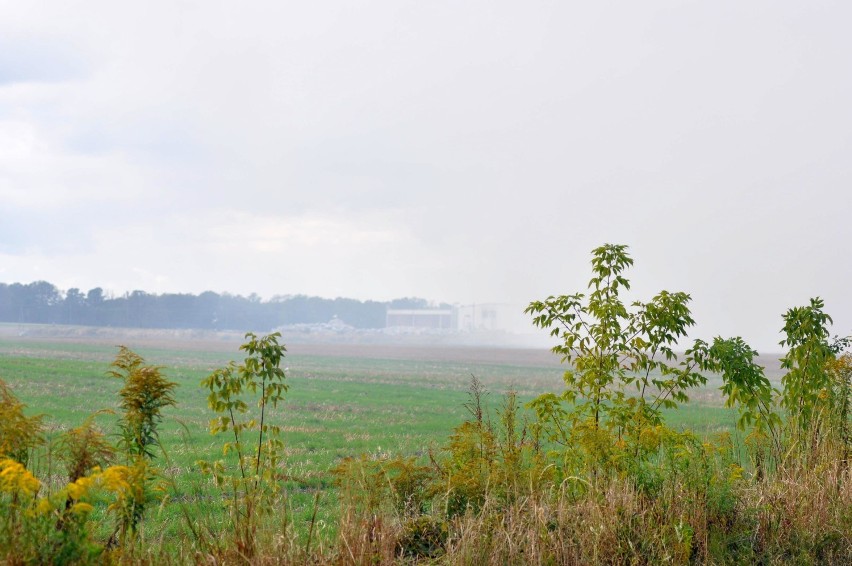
[(344, 400)]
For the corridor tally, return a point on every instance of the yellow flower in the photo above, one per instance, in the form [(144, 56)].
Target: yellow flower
[(80, 488), (44, 506), (115, 478), (736, 472), (81, 508), (15, 478)]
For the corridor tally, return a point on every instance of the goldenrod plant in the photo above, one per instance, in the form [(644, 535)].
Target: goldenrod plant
[(19, 434), (38, 527), (84, 448), (145, 393)]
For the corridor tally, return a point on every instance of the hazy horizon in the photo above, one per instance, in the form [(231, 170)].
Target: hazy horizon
[(459, 152)]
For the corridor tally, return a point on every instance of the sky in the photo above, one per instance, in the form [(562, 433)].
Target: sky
[(462, 152)]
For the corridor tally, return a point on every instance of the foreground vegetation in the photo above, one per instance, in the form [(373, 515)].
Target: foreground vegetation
[(602, 472)]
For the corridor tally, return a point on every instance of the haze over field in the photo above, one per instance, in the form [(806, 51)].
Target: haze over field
[(463, 152)]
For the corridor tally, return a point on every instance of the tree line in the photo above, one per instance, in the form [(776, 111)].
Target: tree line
[(42, 302)]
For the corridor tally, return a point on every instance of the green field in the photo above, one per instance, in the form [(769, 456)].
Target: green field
[(343, 401)]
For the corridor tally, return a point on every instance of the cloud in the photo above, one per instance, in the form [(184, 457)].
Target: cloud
[(269, 254), (39, 60), (229, 231), (462, 152), (36, 171)]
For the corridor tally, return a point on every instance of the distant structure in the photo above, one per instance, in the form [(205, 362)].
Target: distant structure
[(492, 317), (479, 317), (431, 319), (488, 317)]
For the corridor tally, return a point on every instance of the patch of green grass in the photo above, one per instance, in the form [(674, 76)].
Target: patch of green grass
[(336, 407)]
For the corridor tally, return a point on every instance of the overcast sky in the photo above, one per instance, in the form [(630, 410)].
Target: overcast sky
[(459, 151)]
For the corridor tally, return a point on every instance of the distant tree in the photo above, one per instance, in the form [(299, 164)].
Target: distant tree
[(367, 314), (206, 310), (74, 304), (43, 302), (15, 301), (302, 309), (74, 297), (40, 300), (409, 303), (6, 303), (139, 304), (94, 307), (95, 297), (175, 310)]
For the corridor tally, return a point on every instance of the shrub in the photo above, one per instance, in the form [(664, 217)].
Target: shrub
[(612, 349), (255, 482)]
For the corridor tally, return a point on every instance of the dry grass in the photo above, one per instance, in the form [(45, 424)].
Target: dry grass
[(803, 515)]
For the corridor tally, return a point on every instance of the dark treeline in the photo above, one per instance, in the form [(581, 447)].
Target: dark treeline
[(42, 302)]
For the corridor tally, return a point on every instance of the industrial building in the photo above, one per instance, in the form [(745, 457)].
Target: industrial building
[(459, 318)]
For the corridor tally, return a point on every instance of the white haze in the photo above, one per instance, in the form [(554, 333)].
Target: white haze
[(458, 151)]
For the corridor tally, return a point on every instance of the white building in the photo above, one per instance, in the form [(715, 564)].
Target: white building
[(481, 317)]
